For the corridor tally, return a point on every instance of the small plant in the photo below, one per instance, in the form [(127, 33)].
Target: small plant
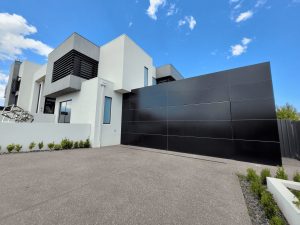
[(41, 145), (32, 145), (87, 143), (81, 144), (57, 147), (10, 147), (251, 175), (66, 144), (296, 177), (276, 220), (257, 188), (75, 144), (18, 147), (280, 174), (51, 145), (263, 176), (269, 204)]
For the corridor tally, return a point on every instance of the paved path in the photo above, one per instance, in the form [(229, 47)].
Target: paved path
[(119, 185)]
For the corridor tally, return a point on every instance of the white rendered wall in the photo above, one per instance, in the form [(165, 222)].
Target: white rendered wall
[(83, 104), (38, 77), (25, 133), (27, 70), (122, 62), (135, 59), (111, 62), (111, 133)]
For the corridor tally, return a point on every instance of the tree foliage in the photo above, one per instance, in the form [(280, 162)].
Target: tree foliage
[(287, 112)]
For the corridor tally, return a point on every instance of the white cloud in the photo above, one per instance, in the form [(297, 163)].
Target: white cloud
[(244, 16), (153, 8), (13, 31), (130, 24), (189, 20), (233, 1), (246, 41), (172, 9), (239, 49), (260, 3), (3, 82)]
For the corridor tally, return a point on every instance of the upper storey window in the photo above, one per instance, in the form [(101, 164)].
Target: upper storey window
[(145, 76), (74, 63)]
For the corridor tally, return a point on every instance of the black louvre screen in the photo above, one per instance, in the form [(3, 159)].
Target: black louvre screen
[(75, 63)]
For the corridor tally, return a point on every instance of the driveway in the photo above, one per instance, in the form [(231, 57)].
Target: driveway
[(119, 185)]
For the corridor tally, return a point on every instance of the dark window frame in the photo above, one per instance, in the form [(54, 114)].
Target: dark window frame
[(59, 111), (107, 97), (45, 103)]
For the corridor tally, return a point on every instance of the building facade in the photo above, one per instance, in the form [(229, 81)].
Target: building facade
[(118, 91), (83, 83)]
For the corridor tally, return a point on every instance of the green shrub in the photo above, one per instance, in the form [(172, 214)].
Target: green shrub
[(10, 147), (87, 143), (81, 144), (276, 220), (41, 145), (251, 175), (75, 144), (57, 147), (51, 146), (269, 204), (32, 145), (66, 144), (280, 174), (297, 203), (263, 176), (296, 177), (18, 147), (257, 188)]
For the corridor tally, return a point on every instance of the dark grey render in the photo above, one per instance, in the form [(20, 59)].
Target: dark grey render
[(228, 114), (13, 84)]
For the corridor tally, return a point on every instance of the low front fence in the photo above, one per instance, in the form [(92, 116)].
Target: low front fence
[(25, 133), (289, 135)]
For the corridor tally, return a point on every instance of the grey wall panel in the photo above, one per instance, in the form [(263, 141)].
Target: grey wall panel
[(263, 109), (261, 130), (212, 129), (207, 111), (260, 90), (229, 114)]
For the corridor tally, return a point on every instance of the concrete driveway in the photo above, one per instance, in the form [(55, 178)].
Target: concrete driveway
[(119, 185)]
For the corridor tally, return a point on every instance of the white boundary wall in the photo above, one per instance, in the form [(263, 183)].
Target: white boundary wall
[(284, 198), (25, 133)]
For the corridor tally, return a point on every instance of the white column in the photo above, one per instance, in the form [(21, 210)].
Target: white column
[(97, 123)]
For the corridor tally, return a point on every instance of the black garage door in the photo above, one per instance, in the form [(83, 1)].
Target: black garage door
[(228, 114)]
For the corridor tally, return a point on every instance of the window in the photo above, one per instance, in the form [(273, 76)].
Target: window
[(64, 112), (38, 100), (153, 81), (49, 106), (145, 76), (107, 110)]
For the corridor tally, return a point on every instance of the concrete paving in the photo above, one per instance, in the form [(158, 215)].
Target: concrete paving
[(120, 185)]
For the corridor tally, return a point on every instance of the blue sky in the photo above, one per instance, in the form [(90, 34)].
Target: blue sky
[(198, 37)]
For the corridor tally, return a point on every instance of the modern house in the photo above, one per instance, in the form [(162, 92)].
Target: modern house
[(118, 91)]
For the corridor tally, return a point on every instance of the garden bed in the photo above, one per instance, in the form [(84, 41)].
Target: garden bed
[(255, 208)]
